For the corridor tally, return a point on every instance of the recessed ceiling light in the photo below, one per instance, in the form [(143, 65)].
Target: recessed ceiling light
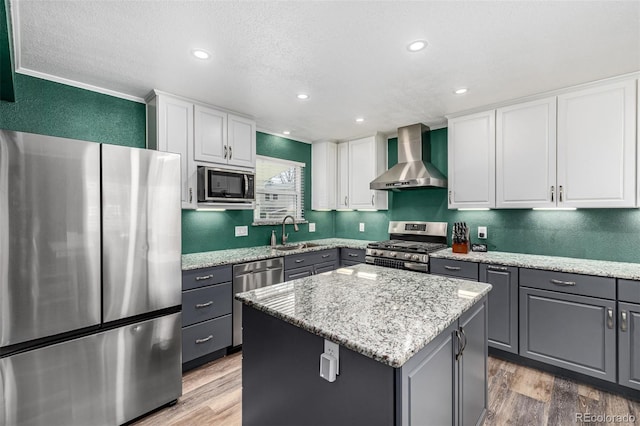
[(460, 91), (359, 120), (286, 132), (416, 46), (201, 53), (303, 96)]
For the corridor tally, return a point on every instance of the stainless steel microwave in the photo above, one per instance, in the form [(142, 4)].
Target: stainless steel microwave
[(217, 185)]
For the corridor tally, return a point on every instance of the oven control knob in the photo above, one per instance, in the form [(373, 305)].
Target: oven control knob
[(392, 254), (415, 257)]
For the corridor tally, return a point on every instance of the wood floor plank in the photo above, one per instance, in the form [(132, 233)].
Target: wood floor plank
[(518, 395)]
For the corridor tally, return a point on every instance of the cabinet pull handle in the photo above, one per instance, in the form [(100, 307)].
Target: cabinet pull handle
[(353, 255), (452, 268), (566, 283), (206, 339), (225, 152), (204, 305), (459, 339), (299, 260), (623, 321), (324, 256), (609, 317), (553, 190), (464, 340), (372, 195), (560, 195), (230, 153), (497, 268), (204, 277), (449, 197), (190, 195), (346, 200)]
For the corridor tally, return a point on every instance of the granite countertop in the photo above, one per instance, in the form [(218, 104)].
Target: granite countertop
[(383, 313), (600, 268), (249, 254)]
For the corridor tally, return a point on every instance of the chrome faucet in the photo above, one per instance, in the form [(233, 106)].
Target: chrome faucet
[(285, 237)]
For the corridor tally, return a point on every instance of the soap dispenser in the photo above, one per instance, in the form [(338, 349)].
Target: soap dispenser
[(273, 238)]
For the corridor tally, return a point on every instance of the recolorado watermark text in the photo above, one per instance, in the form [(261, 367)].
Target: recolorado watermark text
[(605, 418)]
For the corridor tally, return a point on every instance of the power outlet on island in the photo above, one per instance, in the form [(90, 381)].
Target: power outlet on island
[(361, 227), (242, 231)]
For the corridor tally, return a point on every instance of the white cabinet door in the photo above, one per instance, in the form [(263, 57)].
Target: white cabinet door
[(597, 146), (472, 161), (175, 134), (324, 163), (526, 155), (241, 142), (210, 131), (343, 176), (361, 171)]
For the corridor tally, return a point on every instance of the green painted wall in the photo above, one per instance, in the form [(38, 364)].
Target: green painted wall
[(7, 92), (207, 231), (606, 234), (55, 109)]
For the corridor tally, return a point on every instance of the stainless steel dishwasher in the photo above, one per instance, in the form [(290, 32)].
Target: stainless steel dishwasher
[(249, 276)]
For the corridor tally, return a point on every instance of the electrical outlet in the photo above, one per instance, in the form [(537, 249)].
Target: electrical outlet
[(312, 227), (333, 349), (361, 227), (482, 232), (242, 231)]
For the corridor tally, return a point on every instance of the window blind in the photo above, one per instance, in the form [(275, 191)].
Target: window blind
[(279, 189)]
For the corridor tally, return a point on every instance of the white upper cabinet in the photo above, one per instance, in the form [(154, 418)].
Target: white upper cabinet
[(526, 155), (342, 201), (170, 129), (367, 160), (472, 149), (210, 131), (324, 162), (241, 141), (597, 146)]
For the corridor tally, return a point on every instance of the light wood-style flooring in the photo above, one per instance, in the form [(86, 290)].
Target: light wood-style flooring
[(518, 395)]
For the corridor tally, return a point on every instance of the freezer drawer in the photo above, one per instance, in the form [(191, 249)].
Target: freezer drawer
[(141, 231), (106, 378), (50, 228)]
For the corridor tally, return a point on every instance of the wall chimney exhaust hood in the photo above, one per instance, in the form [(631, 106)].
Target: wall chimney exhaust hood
[(414, 168)]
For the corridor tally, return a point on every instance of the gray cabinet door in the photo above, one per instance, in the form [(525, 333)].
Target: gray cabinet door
[(294, 274), (472, 366), (629, 345), (503, 306), (569, 331)]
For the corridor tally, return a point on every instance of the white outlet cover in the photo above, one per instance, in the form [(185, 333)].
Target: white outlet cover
[(242, 231), (312, 227), (333, 349), (361, 227), (482, 232)]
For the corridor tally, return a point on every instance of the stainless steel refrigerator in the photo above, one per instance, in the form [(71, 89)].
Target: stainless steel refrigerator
[(90, 281)]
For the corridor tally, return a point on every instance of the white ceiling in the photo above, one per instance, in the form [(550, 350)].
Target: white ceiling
[(350, 57)]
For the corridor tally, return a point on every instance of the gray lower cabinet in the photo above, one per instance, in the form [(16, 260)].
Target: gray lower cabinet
[(350, 257), (574, 332), (446, 382), (629, 333), (503, 306), (207, 298), (311, 263)]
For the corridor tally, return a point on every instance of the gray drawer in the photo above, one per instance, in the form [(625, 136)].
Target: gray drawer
[(454, 268), (205, 303), (352, 255), (294, 274), (310, 258), (585, 285), (629, 291), (201, 339), (206, 276)]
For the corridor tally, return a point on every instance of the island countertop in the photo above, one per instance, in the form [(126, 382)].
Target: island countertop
[(383, 313)]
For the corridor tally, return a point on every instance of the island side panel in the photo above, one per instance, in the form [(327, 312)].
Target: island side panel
[(281, 383)]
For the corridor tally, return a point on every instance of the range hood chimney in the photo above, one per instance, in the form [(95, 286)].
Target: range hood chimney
[(414, 168)]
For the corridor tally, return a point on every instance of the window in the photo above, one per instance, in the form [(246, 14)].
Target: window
[(279, 190)]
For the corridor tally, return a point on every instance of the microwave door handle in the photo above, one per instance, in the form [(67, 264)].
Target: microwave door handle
[(246, 185)]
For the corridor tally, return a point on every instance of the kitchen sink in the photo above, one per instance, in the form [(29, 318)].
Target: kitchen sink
[(290, 247)]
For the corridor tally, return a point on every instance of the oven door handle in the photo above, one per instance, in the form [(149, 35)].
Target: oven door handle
[(420, 267)]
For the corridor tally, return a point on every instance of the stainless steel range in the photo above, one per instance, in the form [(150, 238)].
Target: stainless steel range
[(409, 246)]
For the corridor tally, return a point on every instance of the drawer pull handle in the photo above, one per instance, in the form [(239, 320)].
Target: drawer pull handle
[(204, 277), (497, 268), (623, 321), (299, 260), (324, 256), (206, 339), (204, 305), (452, 268), (567, 283), (610, 318), (353, 255)]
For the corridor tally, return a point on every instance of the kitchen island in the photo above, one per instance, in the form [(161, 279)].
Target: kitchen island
[(412, 349)]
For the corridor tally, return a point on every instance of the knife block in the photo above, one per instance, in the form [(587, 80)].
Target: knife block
[(460, 247)]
